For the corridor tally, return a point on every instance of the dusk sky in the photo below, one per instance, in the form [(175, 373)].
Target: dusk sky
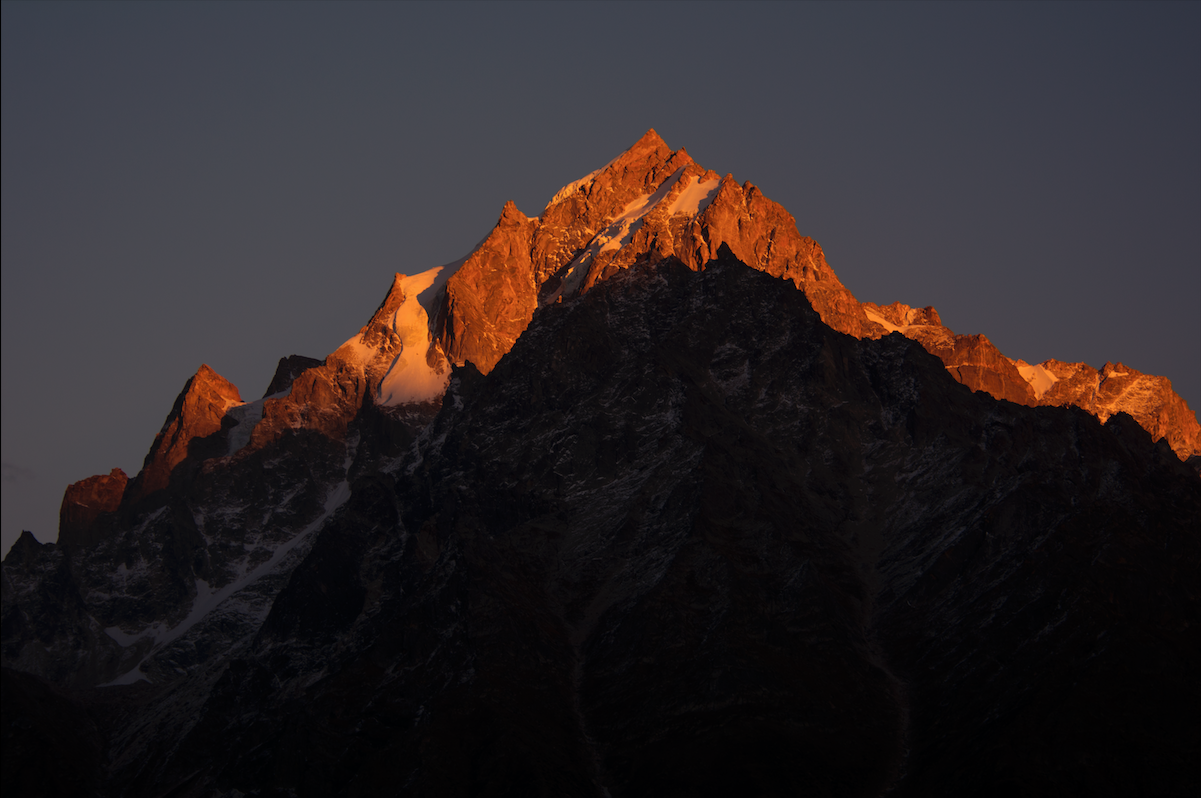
[(232, 183)]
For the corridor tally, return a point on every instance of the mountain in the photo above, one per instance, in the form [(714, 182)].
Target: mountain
[(651, 203), (610, 507)]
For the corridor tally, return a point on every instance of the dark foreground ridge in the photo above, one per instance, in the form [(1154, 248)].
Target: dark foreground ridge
[(684, 539)]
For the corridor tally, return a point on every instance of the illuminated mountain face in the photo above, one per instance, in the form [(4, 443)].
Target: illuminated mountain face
[(606, 507), (651, 203)]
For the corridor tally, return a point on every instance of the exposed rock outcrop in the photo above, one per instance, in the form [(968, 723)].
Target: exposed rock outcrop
[(287, 371), (86, 503), (491, 298), (649, 203), (1148, 399), (974, 361), (195, 422), (971, 359)]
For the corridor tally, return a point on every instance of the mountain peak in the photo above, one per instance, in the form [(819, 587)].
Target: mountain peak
[(650, 136), (647, 204), (392, 300), (644, 158), (198, 414), (650, 202), (650, 142), (512, 214)]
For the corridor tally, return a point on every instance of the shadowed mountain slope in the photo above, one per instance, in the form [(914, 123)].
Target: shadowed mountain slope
[(684, 539)]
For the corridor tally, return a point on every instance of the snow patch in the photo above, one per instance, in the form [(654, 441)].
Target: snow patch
[(1040, 378), (135, 675), (573, 186), (617, 235), (409, 377), (695, 197), (883, 322)]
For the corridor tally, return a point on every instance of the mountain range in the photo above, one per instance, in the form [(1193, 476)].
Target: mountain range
[(636, 498)]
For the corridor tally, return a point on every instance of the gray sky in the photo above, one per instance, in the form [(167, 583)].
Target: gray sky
[(231, 183)]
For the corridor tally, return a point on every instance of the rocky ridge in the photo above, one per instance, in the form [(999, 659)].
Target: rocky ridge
[(974, 361), (1114, 389), (651, 203)]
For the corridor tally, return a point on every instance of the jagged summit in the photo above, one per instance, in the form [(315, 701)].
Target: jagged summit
[(607, 507), (650, 140), (198, 414), (977, 363), (647, 204), (650, 203), (511, 214), (651, 148), (85, 503)]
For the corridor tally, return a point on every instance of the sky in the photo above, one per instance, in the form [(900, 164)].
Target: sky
[(231, 183)]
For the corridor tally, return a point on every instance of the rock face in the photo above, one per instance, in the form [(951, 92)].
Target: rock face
[(85, 503), (566, 517), (195, 420), (1148, 399), (225, 503), (491, 298), (976, 363), (971, 359), (287, 371), (649, 203)]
